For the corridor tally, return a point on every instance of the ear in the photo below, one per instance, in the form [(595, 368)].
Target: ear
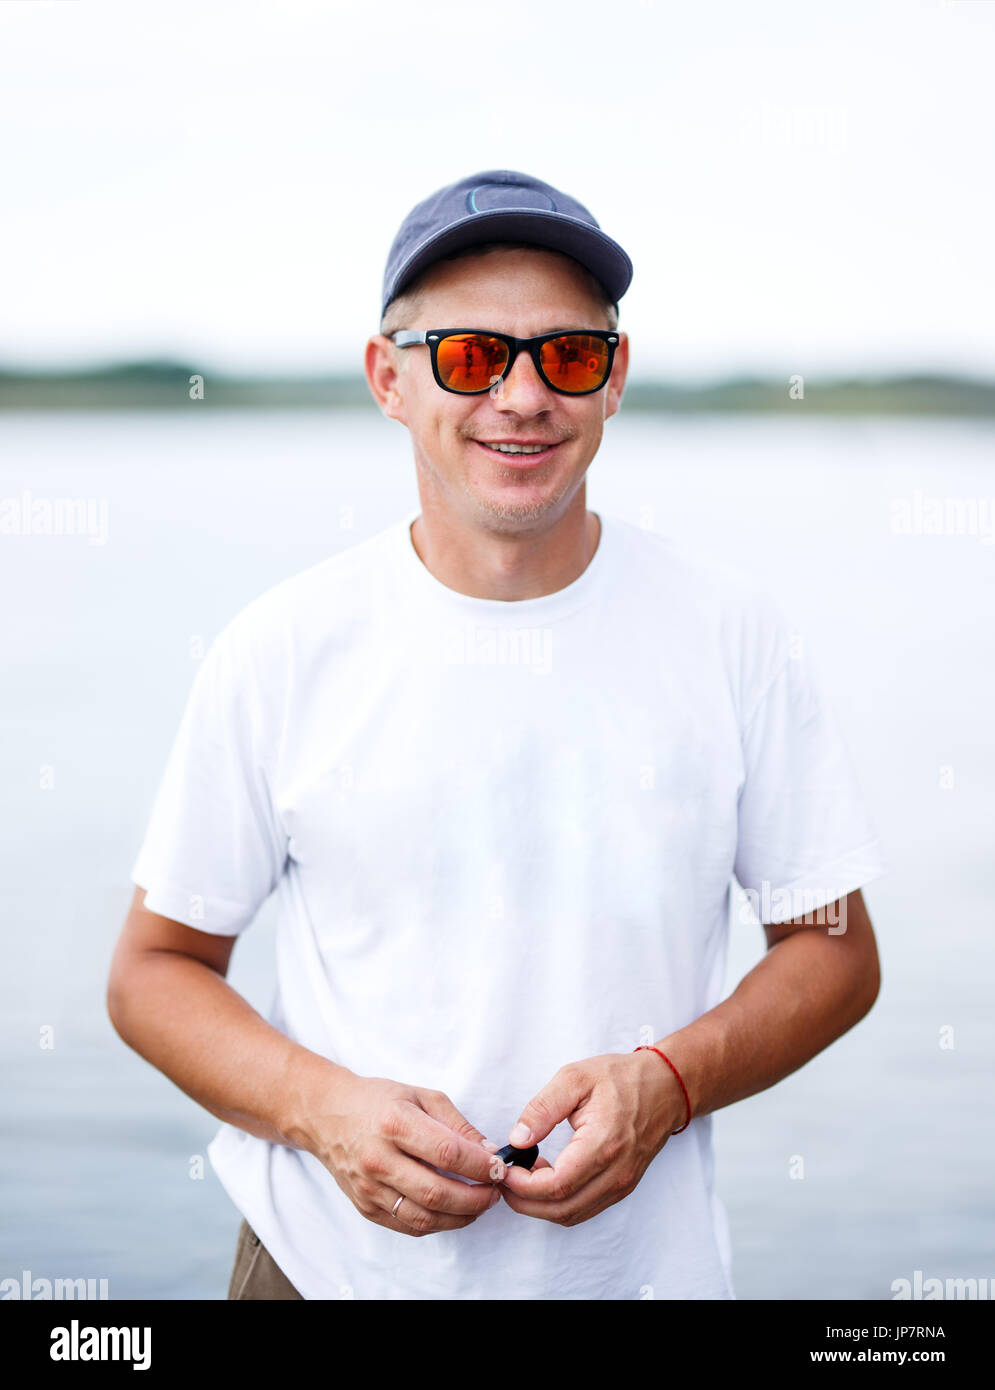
[(384, 376), (616, 382)]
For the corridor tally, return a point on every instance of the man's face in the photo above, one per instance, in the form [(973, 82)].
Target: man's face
[(523, 293)]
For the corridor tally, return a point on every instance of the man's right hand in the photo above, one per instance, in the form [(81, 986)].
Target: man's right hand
[(168, 998), (381, 1140)]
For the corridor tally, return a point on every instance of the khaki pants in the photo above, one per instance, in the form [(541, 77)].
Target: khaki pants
[(255, 1273)]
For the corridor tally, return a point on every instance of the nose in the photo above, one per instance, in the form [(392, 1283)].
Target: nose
[(523, 390)]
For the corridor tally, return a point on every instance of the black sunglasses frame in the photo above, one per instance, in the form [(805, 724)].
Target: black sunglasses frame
[(405, 337)]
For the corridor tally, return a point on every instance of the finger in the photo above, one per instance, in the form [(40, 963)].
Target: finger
[(440, 1107), (602, 1192), (580, 1163), (556, 1101), (519, 1185), (412, 1218), (414, 1131), (436, 1192), (519, 1177)]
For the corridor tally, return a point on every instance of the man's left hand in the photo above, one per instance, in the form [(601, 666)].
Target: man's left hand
[(623, 1108)]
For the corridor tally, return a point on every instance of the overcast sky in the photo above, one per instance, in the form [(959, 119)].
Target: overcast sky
[(802, 187)]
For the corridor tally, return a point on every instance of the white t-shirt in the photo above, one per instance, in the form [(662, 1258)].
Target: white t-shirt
[(502, 835)]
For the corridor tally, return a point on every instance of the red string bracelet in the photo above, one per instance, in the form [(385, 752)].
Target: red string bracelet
[(687, 1099)]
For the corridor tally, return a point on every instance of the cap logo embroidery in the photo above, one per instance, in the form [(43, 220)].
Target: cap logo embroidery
[(488, 196)]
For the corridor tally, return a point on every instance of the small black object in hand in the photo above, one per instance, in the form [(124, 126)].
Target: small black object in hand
[(521, 1158)]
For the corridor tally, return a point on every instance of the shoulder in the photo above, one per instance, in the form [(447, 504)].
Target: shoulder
[(679, 573), (313, 608), (718, 606)]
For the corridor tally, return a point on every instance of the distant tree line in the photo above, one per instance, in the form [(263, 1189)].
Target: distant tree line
[(167, 385)]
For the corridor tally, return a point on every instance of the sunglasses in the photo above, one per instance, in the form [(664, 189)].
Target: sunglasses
[(471, 361)]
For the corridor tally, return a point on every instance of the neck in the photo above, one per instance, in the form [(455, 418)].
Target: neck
[(509, 565)]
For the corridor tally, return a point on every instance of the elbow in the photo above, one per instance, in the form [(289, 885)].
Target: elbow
[(114, 1005), (116, 998), (866, 985)]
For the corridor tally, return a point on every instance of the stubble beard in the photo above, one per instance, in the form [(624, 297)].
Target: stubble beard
[(508, 510), (511, 511)]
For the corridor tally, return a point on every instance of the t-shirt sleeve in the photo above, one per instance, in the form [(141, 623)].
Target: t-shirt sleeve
[(805, 837), (213, 849)]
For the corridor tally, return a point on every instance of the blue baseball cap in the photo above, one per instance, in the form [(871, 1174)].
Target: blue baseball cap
[(502, 205)]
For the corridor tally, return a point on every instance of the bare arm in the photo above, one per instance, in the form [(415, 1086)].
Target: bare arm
[(809, 989), (168, 998)]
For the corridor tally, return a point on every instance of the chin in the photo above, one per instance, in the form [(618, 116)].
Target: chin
[(505, 506)]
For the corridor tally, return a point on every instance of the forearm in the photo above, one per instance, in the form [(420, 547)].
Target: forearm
[(806, 992), (187, 1021)]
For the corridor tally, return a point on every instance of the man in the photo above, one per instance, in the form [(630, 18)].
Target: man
[(500, 763)]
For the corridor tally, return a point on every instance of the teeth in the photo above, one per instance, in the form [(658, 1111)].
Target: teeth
[(518, 448)]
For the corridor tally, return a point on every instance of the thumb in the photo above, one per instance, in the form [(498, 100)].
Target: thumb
[(440, 1107), (555, 1102)]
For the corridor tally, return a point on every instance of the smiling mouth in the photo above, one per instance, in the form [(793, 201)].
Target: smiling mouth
[(519, 455)]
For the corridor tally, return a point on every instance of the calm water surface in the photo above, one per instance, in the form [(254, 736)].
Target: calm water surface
[(199, 514)]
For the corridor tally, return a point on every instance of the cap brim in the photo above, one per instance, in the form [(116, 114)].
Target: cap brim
[(603, 257)]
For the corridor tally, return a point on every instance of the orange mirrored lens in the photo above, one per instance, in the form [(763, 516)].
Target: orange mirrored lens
[(575, 362), (471, 361)]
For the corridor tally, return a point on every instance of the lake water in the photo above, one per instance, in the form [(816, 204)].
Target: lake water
[(191, 516)]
